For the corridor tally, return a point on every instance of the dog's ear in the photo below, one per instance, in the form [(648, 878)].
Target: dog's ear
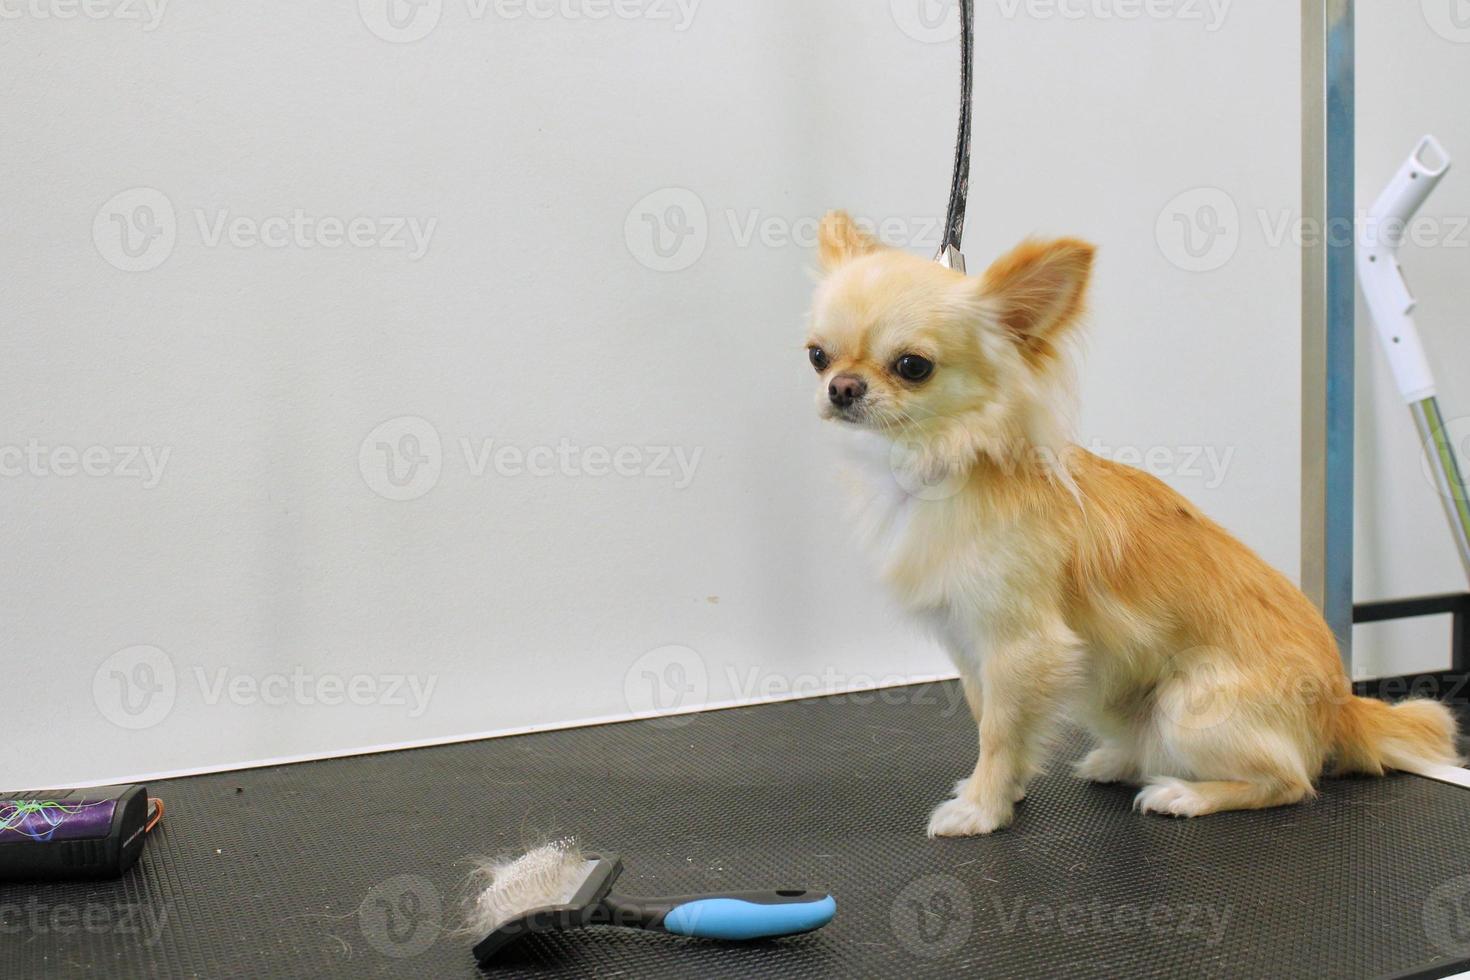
[(1037, 291), (840, 240)]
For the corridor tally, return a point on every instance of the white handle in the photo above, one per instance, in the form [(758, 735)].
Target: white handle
[(1387, 293)]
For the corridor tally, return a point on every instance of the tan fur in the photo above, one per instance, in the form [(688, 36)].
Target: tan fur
[(1062, 582)]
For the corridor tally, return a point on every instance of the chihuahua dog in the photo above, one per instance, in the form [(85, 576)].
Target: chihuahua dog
[(1063, 584)]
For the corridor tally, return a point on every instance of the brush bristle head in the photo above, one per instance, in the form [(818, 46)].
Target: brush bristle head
[(506, 889)]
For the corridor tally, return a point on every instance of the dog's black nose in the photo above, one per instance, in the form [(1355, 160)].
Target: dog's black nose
[(846, 389)]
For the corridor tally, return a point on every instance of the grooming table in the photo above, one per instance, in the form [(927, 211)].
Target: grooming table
[(355, 867)]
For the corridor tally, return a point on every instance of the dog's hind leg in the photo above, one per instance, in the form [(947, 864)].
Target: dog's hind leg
[(1219, 746), (1183, 798)]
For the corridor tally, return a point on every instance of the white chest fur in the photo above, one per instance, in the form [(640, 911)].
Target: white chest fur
[(882, 509), (946, 557)]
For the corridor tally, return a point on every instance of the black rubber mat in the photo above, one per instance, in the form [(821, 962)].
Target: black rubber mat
[(354, 867)]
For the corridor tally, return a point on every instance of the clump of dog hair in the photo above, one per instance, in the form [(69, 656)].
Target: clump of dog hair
[(505, 888)]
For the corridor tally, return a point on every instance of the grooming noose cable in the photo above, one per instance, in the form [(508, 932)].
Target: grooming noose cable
[(950, 253)]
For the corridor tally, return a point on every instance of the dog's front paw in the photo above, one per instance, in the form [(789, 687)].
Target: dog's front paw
[(962, 818), (1107, 765)]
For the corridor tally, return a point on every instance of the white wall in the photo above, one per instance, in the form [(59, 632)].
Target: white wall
[(1413, 72), (537, 315)]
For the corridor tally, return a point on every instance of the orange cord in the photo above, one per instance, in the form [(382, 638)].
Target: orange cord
[(157, 815)]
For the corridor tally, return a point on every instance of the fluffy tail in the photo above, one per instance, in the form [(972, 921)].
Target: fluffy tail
[(1373, 735)]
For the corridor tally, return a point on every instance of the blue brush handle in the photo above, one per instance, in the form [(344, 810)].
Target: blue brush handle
[(730, 916), (735, 917)]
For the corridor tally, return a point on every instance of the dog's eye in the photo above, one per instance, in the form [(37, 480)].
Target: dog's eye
[(818, 357), (912, 367)]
